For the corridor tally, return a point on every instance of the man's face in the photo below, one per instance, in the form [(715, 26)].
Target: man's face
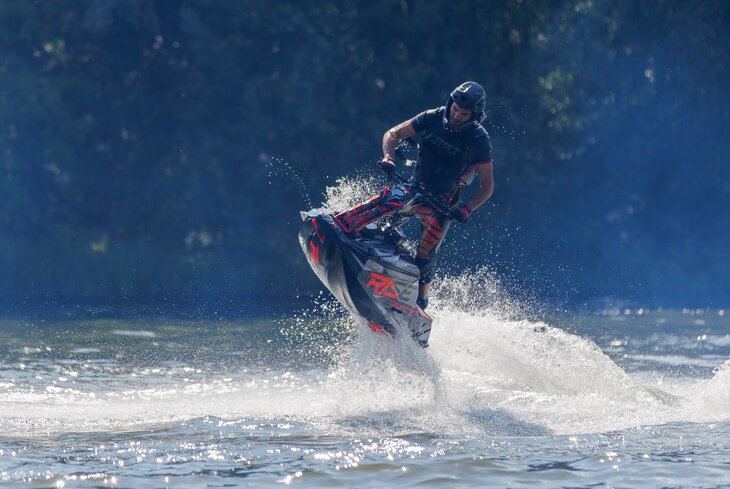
[(458, 114)]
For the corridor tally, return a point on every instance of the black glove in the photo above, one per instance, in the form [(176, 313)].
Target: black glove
[(387, 166), (460, 213)]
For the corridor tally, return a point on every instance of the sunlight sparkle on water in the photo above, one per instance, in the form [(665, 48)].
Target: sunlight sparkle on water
[(494, 394)]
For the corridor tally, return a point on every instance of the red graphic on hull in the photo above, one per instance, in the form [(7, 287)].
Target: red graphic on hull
[(403, 308), (382, 285), (314, 253), (378, 329)]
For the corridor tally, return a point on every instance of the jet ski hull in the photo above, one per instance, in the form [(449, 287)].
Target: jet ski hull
[(374, 278)]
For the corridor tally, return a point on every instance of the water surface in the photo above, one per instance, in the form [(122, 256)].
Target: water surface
[(619, 398)]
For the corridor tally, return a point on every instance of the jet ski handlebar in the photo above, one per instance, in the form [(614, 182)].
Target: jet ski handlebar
[(423, 194)]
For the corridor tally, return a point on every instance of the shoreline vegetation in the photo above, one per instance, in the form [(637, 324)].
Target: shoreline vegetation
[(164, 149)]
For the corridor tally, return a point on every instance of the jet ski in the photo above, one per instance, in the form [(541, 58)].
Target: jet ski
[(369, 272)]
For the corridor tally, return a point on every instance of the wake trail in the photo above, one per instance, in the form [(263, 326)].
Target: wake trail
[(484, 374)]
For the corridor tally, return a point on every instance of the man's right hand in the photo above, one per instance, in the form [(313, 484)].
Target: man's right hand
[(460, 213), (388, 166)]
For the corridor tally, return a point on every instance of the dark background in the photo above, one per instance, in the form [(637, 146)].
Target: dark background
[(135, 137)]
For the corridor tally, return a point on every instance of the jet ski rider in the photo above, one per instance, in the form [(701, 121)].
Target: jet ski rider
[(454, 147)]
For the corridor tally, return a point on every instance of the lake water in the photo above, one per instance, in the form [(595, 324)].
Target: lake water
[(622, 398)]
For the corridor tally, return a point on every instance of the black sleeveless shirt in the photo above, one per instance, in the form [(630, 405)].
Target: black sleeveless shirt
[(444, 155)]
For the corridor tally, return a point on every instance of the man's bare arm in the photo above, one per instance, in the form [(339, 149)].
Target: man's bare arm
[(486, 185), (393, 135)]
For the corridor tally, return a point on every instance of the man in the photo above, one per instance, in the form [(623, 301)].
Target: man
[(453, 148)]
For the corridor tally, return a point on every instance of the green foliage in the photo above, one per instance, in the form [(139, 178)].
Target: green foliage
[(135, 136)]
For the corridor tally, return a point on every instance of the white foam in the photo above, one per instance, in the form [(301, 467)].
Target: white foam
[(486, 371), (678, 360), (482, 373), (709, 400), (136, 333)]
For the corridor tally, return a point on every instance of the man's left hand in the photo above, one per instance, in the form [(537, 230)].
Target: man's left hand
[(388, 166), (460, 213)]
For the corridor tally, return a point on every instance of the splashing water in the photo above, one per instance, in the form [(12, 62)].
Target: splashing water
[(477, 290), (278, 167), (509, 376), (486, 362), (490, 372), (348, 192)]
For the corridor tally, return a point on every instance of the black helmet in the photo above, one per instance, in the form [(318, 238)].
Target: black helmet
[(469, 95)]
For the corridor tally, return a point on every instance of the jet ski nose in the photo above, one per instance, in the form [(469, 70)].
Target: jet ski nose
[(311, 213)]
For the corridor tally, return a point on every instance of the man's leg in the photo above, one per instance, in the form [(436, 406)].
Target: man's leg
[(435, 227), (390, 200)]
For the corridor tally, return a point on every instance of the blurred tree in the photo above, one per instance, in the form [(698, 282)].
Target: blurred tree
[(141, 141)]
